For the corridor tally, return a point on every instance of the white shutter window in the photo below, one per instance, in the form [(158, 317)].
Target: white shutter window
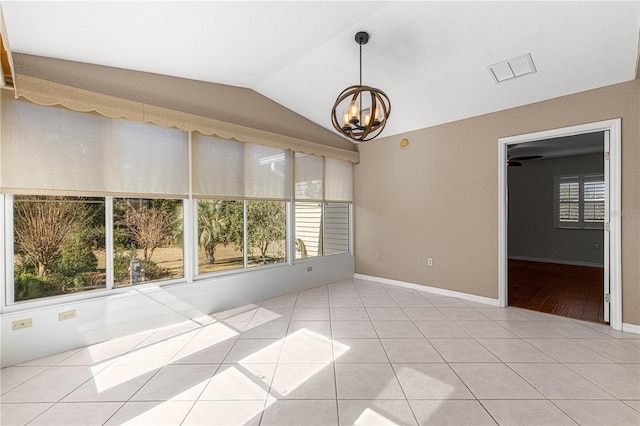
[(593, 200), (338, 180), (568, 200), (309, 177), (54, 151), (579, 201), (336, 228)]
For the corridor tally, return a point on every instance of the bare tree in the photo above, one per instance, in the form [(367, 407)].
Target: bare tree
[(148, 226), (43, 224)]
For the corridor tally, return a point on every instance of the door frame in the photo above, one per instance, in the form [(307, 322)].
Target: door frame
[(613, 268)]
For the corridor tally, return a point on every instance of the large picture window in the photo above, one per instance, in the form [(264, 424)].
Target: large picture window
[(148, 235), (59, 245), (117, 204)]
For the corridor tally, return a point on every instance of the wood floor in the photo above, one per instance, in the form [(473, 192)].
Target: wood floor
[(566, 290)]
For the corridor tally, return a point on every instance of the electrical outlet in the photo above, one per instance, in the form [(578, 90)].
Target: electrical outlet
[(309, 268), (378, 256), (23, 323), (430, 261), (62, 316), (596, 246)]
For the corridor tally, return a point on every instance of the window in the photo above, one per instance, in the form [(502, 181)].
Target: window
[(266, 232), (59, 245), (580, 201), (308, 229), (147, 241), (336, 228), (220, 235)]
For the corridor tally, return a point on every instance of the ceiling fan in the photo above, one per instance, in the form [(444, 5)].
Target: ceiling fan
[(516, 161)]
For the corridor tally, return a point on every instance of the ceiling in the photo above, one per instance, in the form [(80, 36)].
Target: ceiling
[(430, 58)]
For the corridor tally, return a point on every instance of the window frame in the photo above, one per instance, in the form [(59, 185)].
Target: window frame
[(581, 223)]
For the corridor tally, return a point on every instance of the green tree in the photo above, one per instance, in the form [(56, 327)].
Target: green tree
[(218, 224), (265, 224), (43, 224)]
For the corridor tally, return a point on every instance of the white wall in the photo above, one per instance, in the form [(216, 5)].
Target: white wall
[(144, 308), (532, 232)]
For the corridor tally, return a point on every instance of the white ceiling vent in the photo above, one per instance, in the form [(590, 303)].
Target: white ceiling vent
[(512, 68)]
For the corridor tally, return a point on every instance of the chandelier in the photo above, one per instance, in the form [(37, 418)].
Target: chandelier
[(364, 110)]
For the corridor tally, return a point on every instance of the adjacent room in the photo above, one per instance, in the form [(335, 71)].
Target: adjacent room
[(319, 213)]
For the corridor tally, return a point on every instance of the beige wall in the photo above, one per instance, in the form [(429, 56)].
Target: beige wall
[(439, 197)]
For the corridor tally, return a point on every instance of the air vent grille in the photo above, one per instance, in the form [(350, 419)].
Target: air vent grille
[(512, 68)]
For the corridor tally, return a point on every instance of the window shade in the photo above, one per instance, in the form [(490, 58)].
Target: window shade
[(338, 180), (54, 151), (229, 169), (309, 170)]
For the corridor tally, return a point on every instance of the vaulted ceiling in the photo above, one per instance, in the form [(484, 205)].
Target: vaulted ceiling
[(431, 58)]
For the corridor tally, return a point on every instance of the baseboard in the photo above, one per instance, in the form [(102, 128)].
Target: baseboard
[(631, 328), (435, 290), (558, 261)]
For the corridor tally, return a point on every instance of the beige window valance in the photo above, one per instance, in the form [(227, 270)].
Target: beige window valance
[(45, 92)]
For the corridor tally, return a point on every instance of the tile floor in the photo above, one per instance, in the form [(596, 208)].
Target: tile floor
[(351, 352)]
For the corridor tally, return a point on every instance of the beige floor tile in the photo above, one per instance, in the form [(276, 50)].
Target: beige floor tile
[(315, 314), (557, 381), (303, 381), (311, 412), (203, 352), (387, 314), (11, 377), (514, 350), (375, 412), (306, 329), (634, 367), (378, 302), (604, 413), (286, 301), (353, 329), (155, 354), (360, 351), (55, 359), (235, 382), (528, 329), (431, 381), (635, 404), (446, 302), (267, 330), (616, 349), (313, 350), (426, 314), (256, 351), (574, 330), (50, 385), (450, 413), (367, 381), (410, 350), (345, 302), (345, 314), (225, 413), (522, 412), (485, 330), (462, 350), (441, 329), (78, 413), (146, 413), (494, 381), (615, 379), (177, 383), (113, 383), (565, 350), (396, 330), (462, 314), (413, 302), (20, 413), (500, 314), (268, 313), (312, 302)]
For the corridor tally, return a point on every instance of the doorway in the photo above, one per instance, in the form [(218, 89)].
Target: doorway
[(600, 266)]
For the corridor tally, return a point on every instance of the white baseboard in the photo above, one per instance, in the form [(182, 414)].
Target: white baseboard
[(558, 261), (435, 290), (631, 328)]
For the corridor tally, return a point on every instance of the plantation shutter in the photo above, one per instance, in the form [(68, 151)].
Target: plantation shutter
[(54, 151), (568, 200), (593, 200)]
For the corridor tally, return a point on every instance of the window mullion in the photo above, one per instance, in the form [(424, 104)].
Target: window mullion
[(7, 222), (244, 233), (108, 229)]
